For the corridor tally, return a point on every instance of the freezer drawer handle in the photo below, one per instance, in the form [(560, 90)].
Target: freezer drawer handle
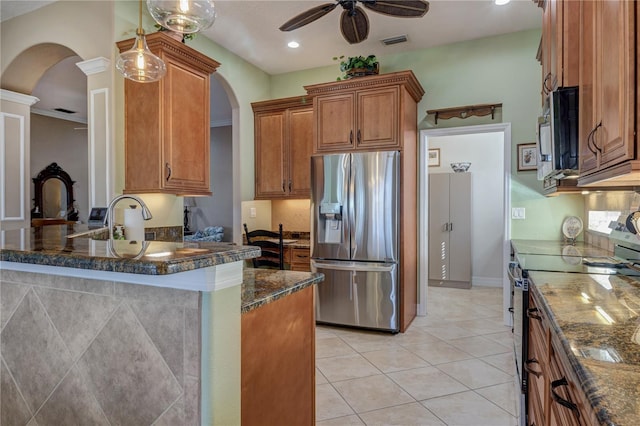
[(375, 268), (560, 400)]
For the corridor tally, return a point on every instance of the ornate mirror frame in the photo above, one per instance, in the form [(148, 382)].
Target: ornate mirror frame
[(52, 171)]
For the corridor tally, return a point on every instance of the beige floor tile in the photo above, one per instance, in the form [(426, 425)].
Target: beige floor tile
[(320, 379), (368, 341), (504, 362), (346, 367), (425, 383), (469, 408), (475, 373), (502, 395), (413, 414), (371, 393), (504, 338), (329, 403), (352, 420), (414, 336), (449, 332), (332, 346), (484, 325), (395, 359), (438, 352), (479, 346)]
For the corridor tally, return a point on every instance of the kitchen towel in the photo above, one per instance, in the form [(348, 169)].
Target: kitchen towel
[(133, 224)]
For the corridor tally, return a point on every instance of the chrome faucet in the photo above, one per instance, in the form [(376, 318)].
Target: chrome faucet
[(108, 220)]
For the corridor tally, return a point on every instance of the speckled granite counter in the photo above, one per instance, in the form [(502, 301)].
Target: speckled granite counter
[(262, 286), (49, 246), (605, 356)]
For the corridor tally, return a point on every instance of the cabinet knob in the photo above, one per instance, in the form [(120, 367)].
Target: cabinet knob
[(168, 167)]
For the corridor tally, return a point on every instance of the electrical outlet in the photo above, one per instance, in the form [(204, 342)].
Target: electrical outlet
[(517, 213), (252, 212)]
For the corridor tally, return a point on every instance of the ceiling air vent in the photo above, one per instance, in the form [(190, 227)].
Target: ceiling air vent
[(66, 111), (394, 40)]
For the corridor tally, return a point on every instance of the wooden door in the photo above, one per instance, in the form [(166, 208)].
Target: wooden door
[(378, 113), (570, 52), (615, 32), (335, 122), (547, 85), (587, 89), (270, 178), (186, 128), (300, 147)]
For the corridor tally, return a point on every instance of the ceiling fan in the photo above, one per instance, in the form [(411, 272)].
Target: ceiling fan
[(354, 23)]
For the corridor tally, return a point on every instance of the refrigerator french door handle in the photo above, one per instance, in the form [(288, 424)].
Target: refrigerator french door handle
[(352, 214), (354, 290), (370, 267)]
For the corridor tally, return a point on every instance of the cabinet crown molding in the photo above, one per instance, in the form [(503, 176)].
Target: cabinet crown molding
[(405, 78)]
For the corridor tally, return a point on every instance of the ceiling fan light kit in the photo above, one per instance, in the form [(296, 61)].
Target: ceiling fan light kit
[(139, 63), (354, 23), (183, 16)]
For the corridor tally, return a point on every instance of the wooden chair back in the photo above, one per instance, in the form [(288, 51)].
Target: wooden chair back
[(272, 251)]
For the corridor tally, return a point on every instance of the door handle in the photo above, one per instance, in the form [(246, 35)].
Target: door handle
[(283, 190), (289, 185), (446, 226), (532, 315), (351, 137), (359, 138), (530, 370), (450, 227), (594, 137), (560, 400), (168, 167)]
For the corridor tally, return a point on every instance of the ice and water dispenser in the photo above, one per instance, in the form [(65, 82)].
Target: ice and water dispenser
[(330, 223)]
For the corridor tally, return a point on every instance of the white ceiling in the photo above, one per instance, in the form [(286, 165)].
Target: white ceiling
[(250, 30)]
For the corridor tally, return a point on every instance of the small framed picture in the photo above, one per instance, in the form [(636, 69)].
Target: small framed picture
[(527, 157), (434, 157)]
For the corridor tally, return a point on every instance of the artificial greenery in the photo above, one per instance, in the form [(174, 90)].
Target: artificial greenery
[(368, 63), (189, 36)]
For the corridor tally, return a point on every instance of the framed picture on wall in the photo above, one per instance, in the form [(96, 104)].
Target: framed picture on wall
[(527, 157), (434, 157)]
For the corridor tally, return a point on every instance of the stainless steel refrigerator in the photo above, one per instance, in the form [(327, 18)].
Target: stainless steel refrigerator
[(354, 239)]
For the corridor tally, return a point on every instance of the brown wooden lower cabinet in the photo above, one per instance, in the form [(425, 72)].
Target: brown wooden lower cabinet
[(278, 362), (553, 392)]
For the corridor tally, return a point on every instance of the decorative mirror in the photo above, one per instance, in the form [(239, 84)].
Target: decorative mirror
[(54, 194)]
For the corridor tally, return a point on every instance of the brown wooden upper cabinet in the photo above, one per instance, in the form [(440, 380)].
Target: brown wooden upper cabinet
[(167, 122), (559, 54), (283, 131), (608, 94), (366, 113)]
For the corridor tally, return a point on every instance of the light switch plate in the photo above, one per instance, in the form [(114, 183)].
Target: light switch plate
[(252, 212), (517, 213)]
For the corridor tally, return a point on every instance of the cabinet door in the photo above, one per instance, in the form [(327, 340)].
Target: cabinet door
[(335, 122), (300, 147), (378, 116), (270, 147), (186, 128), (587, 95), (545, 44), (460, 227), (439, 226), (616, 81)]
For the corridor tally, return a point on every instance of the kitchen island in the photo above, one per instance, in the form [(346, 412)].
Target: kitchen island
[(99, 332), (583, 317)]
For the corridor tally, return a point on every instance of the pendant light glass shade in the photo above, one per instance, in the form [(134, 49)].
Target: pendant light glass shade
[(139, 63), (183, 16)]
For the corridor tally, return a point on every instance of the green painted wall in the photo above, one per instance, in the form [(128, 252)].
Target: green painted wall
[(501, 69)]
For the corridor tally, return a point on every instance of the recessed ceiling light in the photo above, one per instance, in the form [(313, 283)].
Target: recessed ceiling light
[(293, 44), (502, 2)]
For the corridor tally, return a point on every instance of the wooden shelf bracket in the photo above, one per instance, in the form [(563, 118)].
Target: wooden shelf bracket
[(465, 111)]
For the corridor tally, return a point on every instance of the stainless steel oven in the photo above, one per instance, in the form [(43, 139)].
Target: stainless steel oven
[(520, 327)]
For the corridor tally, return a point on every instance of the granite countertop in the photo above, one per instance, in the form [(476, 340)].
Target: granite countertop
[(49, 246), (263, 286), (605, 356)]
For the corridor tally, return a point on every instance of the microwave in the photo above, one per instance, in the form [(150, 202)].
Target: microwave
[(557, 135)]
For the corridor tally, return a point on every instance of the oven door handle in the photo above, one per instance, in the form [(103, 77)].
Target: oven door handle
[(517, 282)]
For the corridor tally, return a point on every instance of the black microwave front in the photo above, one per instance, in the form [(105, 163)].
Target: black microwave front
[(557, 135)]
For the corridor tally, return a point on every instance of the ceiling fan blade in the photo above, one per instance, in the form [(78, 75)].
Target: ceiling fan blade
[(354, 25), (399, 8), (307, 17)]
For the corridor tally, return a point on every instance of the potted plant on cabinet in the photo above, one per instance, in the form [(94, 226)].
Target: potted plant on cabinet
[(357, 66)]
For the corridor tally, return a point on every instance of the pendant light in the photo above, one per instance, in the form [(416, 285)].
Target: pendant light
[(183, 16), (139, 63)]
